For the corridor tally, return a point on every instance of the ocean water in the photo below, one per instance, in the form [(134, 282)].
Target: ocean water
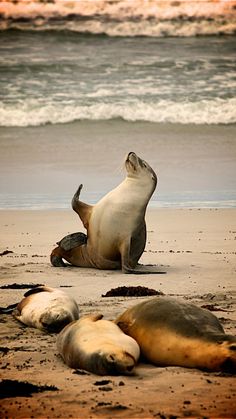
[(60, 77), (153, 64)]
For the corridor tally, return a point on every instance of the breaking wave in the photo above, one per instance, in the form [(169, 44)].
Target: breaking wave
[(122, 17), (218, 111)]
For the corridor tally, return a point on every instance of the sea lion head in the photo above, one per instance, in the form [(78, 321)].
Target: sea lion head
[(139, 168), (112, 363), (229, 362), (54, 320)]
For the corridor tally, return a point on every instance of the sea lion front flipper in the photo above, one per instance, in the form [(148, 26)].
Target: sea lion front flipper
[(128, 270), (146, 269), (83, 210), (72, 240), (125, 325), (95, 317), (130, 266)]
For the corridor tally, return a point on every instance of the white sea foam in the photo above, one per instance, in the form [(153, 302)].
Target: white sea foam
[(218, 111), (124, 17), (118, 9)]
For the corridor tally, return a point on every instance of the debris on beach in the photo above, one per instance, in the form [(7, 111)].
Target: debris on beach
[(81, 372), (213, 307), (137, 291), (15, 388), (16, 286), (6, 252)]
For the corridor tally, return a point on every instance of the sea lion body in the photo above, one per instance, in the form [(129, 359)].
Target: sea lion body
[(171, 332), (116, 229), (98, 346), (47, 309)]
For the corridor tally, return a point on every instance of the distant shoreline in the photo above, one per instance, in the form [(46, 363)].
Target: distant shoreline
[(43, 166)]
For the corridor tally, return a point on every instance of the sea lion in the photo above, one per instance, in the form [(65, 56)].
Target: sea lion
[(171, 332), (47, 309), (98, 346), (116, 229)]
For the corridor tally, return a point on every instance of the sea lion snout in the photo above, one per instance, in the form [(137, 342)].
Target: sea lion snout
[(131, 153), (228, 366), (131, 161), (139, 167), (120, 363), (54, 323), (134, 162)]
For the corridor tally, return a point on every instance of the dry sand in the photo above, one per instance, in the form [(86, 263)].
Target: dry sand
[(197, 249)]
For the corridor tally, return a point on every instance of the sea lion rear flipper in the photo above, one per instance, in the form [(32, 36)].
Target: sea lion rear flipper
[(83, 210), (37, 290), (9, 309), (56, 257), (69, 242), (72, 240)]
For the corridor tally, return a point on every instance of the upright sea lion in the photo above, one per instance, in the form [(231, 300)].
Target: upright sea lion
[(47, 309), (171, 332), (98, 346), (116, 229)]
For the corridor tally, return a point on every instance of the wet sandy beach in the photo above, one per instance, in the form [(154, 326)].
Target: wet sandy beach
[(196, 248)]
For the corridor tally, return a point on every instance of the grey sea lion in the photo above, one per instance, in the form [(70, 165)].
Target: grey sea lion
[(46, 308), (171, 332), (98, 346), (116, 228)]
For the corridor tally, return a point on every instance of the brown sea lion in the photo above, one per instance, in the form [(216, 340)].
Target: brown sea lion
[(47, 309), (116, 228), (98, 346), (171, 332)]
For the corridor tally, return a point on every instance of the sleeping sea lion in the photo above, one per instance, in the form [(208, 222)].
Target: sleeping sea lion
[(47, 309), (171, 332), (116, 229), (98, 346)]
